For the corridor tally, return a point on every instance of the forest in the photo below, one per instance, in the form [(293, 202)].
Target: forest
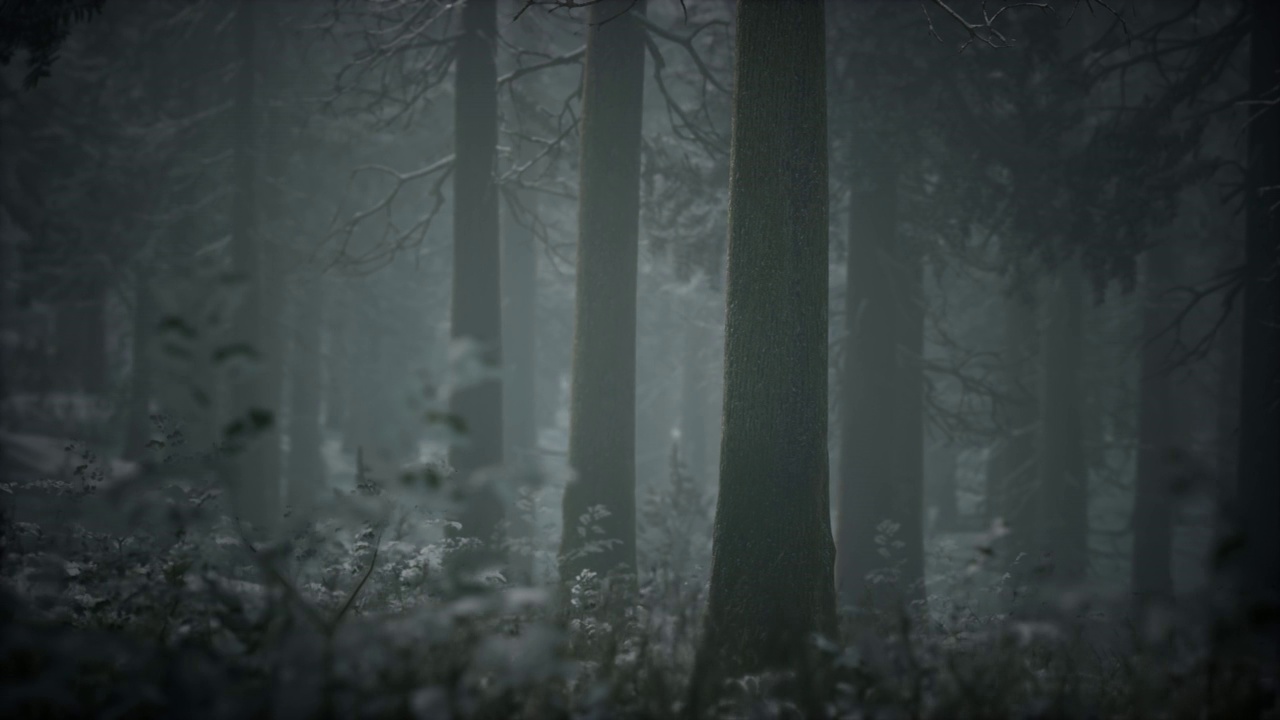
[(858, 359)]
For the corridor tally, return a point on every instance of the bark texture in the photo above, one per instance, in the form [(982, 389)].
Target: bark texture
[(602, 424), (772, 581)]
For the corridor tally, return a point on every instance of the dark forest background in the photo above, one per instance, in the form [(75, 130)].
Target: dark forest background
[(639, 358)]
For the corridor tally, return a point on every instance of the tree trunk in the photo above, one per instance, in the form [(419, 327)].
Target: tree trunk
[(520, 300), (1011, 473), (248, 437), (908, 467), (772, 585), (867, 494), (476, 310), (1259, 459), (305, 466), (1151, 571), (138, 429), (602, 424), (1062, 490)]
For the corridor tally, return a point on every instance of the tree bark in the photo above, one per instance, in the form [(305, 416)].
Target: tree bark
[(602, 424), (138, 429), (772, 582), (1062, 489), (305, 466), (248, 436), (1259, 460), (520, 299), (1151, 571), (476, 310)]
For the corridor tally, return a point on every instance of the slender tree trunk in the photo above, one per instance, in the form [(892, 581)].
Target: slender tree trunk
[(81, 344), (693, 422), (602, 425), (138, 429), (337, 377), (1259, 459), (248, 436), (772, 575), (476, 310), (305, 466), (1012, 474), (908, 467), (1151, 571), (1063, 493), (867, 494), (520, 299)]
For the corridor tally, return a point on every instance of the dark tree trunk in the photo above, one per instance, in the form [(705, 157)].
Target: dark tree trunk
[(772, 575), (337, 376), (1011, 473), (1259, 459), (1152, 575), (305, 466), (1062, 491), (81, 344), (873, 450), (138, 428), (908, 461), (602, 425), (520, 299), (248, 436), (476, 310)]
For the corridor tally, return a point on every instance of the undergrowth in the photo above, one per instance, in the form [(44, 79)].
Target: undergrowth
[(168, 608)]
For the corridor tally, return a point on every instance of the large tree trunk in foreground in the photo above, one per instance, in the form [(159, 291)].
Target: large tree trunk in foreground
[(1151, 573), (1259, 459), (602, 432), (476, 311), (867, 493), (1062, 491), (772, 586)]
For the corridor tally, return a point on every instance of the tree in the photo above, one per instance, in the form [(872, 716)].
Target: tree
[(476, 310), (1259, 460), (603, 402), (1062, 488), (772, 584), (868, 494), (305, 466), (1152, 574)]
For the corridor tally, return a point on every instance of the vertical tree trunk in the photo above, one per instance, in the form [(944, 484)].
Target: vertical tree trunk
[(138, 429), (1151, 571), (1011, 473), (867, 491), (1259, 459), (1062, 490), (519, 306), (520, 298), (772, 585), (476, 310), (908, 466), (602, 431), (337, 378), (254, 492), (305, 466)]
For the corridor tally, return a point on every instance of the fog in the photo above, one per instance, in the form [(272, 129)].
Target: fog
[(639, 358)]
